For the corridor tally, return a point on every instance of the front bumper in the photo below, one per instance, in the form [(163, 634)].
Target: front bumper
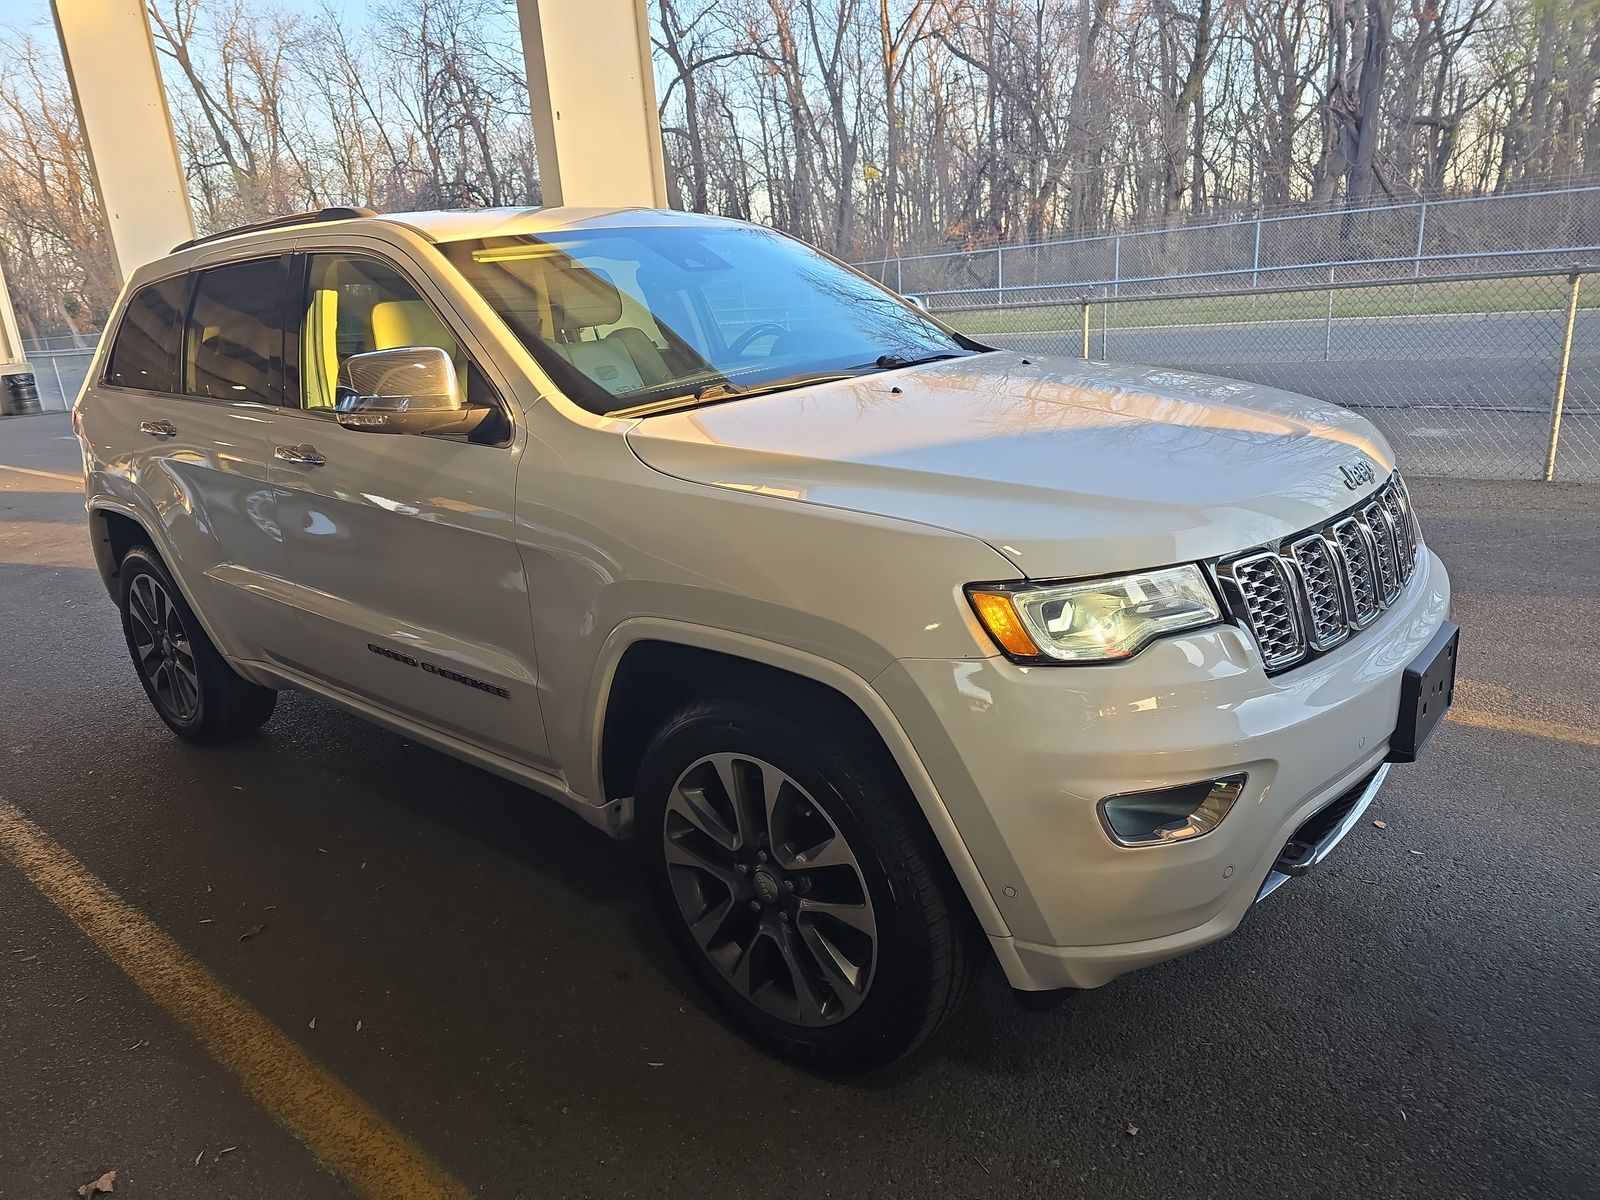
[(1022, 755)]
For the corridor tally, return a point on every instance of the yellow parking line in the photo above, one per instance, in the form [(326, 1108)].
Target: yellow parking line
[(43, 474), (1570, 734), (351, 1140)]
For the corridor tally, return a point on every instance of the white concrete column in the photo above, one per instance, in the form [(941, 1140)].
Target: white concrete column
[(122, 107), (10, 339), (593, 94)]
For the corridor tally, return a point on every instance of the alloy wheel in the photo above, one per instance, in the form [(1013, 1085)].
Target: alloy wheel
[(769, 889), (162, 650)]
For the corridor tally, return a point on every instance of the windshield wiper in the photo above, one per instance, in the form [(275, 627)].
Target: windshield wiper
[(890, 362), (722, 390)]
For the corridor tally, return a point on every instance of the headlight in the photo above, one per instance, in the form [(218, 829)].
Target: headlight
[(1095, 620)]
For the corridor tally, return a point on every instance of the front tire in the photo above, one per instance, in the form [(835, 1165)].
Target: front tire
[(191, 686), (799, 882)]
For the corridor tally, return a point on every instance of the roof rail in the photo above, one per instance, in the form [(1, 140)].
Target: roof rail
[(305, 218)]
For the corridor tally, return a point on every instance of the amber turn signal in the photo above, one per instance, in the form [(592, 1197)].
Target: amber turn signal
[(999, 617)]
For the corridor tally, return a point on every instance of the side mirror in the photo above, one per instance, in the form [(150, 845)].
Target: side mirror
[(411, 389)]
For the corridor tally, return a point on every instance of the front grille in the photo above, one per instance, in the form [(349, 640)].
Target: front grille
[(1310, 592)]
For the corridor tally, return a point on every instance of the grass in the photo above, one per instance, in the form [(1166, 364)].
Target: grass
[(1534, 293)]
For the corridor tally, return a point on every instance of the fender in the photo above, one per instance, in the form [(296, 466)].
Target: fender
[(154, 533), (820, 670)]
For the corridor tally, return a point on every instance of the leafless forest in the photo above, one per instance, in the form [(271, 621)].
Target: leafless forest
[(867, 126)]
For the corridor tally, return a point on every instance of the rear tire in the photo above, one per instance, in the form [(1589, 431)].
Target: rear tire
[(800, 883), (191, 686)]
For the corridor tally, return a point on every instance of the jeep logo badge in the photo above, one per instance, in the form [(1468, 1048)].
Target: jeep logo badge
[(1357, 473)]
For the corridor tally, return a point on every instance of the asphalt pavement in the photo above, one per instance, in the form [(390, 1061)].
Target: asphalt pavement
[(1416, 1018)]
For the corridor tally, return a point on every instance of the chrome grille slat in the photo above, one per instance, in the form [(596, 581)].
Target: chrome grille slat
[(1324, 593), (1381, 526), (1311, 592), (1267, 589), (1359, 569)]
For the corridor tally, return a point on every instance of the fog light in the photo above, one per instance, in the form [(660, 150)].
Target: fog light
[(1172, 814)]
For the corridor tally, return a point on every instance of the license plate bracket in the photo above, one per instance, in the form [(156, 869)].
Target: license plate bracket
[(1426, 690)]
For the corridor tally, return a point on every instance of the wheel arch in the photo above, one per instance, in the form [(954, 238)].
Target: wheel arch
[(634, 690), (114, 530)]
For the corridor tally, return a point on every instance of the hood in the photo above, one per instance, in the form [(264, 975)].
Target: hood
[(1066, 467)]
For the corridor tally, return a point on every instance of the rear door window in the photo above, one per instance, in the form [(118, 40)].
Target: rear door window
[(145, 352), (234, 345)]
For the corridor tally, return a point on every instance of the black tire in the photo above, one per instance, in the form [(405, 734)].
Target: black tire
[(928, 948), (190, 685)]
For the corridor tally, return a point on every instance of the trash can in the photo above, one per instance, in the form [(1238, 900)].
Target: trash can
[(21, 395)]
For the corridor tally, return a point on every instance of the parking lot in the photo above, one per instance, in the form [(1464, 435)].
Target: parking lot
[(331, 961)]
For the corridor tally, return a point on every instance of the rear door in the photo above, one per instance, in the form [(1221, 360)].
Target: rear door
[(182, 417), (410, 589)]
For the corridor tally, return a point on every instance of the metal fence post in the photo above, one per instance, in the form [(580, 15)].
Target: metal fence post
[(1085, 327), (1422, 225), (61, 389), (999, 275), (899, 276), (1255, 258), (1116, 268), (1327, 324), (1560, 402)]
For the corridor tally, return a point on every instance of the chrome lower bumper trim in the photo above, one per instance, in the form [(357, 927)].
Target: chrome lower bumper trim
[(1324, 847)]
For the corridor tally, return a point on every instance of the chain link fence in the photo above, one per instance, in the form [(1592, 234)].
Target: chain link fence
[(1471, 376), (1474, 376), (59, 374), (1530, 231)]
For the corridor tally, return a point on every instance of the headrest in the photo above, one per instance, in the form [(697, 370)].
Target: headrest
[(397, 323), (582, 299)]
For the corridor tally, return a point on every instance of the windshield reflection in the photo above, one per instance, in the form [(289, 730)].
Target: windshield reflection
[(658, 317)]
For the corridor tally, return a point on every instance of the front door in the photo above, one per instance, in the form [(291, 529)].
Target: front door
[(410, 590)]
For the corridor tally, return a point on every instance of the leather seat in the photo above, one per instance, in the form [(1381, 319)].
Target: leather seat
[(623, 360)]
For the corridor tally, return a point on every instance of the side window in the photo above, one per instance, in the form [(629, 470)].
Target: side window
[(355, 305), (145, 351), (233, 346)]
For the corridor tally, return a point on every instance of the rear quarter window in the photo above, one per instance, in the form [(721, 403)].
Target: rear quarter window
[(144, 352)]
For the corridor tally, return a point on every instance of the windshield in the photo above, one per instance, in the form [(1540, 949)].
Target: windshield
[(622, 318)]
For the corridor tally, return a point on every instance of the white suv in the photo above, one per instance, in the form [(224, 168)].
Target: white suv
[(896, 653)]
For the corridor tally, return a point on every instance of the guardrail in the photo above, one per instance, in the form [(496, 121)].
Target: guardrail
[(1479, 376)]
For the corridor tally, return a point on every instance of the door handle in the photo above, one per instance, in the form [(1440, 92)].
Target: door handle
[(160, 429), (303, 455)]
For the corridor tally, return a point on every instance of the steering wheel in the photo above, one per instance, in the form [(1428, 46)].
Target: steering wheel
[(765, 329)]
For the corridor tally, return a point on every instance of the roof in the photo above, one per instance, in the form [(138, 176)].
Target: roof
[(461, 224)]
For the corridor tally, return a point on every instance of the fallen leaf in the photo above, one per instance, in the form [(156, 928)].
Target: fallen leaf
[(313, 1024), (251, 932), (651, 1064), (1133, 1130), (226, 1150), (105, 1183), (198, 1157), (136, 1045), (30, 958), (1381, 824), (358, 1026), (208, 920), (1416, 852)]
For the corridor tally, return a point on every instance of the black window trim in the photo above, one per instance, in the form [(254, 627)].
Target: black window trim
[(101, 381), (275, 385)]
